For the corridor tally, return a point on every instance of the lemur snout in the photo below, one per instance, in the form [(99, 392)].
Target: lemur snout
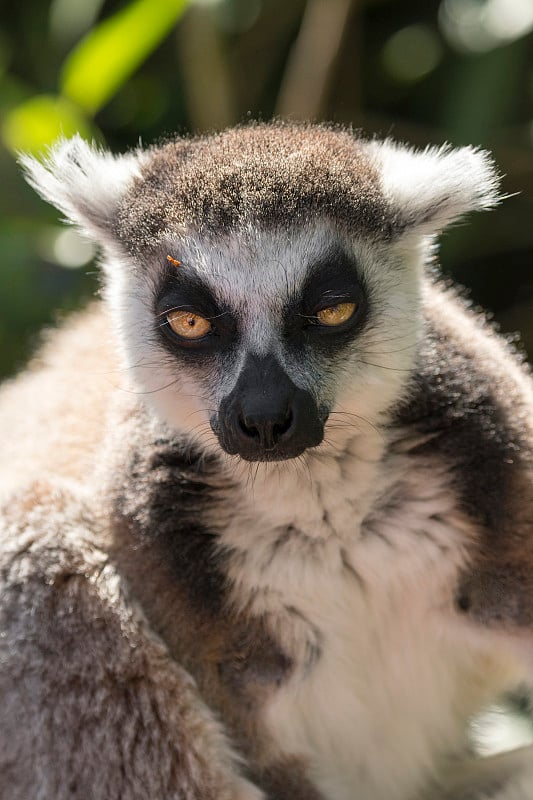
[(266, 426), (266, 417)]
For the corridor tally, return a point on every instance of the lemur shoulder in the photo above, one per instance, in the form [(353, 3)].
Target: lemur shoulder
[(267, 508)]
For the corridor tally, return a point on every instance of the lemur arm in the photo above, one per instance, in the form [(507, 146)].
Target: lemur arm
[(92, 706)]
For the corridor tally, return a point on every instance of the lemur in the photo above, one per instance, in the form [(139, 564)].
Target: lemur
[(267, 509)]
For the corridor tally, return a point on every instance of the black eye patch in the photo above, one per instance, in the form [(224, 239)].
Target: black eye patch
[(335, 277), (181, 291), (334, 280)]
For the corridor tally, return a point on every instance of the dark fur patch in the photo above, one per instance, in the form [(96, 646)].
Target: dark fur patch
[(272, 175), (162, 500), (91, 707), (176, 569), (475, 418), (453, 399)]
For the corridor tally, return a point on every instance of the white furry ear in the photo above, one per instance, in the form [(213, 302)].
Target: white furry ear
[(83, 181), (431, 188)]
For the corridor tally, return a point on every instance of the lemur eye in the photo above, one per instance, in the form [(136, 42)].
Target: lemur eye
[(188, 325), (336, 315)]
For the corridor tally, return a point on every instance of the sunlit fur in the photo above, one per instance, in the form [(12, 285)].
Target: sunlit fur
[(330, 641)]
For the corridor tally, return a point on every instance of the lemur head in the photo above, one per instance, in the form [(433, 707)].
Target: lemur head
[(266, 280)]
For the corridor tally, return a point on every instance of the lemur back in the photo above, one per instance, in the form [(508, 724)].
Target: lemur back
[(280, 546)]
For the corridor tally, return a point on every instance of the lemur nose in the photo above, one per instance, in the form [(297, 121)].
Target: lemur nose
[(266, 417), (266, 429)]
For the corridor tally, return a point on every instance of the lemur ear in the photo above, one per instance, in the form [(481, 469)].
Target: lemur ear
[(83, 181), (431, 188)]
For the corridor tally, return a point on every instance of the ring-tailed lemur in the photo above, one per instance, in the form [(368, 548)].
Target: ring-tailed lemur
[(283, 547)]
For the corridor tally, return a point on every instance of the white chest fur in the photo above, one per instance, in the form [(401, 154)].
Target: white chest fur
[(366, 611), (371, 714)]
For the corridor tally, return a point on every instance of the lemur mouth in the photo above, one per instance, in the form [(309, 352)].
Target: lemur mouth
[(268, 455), (262, 444)]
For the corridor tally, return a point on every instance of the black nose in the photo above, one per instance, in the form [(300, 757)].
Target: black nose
[(266, 426), (267, 417)]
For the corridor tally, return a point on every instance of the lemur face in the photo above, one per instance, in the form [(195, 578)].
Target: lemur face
[(253, 334), (270, 343), (265, 281)]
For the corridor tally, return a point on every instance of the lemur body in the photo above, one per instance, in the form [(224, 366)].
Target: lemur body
[(319, 508)]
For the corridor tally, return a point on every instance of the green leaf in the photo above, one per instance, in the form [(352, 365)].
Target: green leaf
[(36, 123), (111, 52)]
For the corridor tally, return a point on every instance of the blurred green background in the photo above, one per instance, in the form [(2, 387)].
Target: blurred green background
[(424, 71)]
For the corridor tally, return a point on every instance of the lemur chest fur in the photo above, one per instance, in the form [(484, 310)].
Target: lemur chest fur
[(363, 603)]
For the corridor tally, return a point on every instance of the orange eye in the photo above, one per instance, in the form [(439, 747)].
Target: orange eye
[(336, 315), (188, 325)]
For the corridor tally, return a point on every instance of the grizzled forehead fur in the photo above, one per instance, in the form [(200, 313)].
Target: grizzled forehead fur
[(271, 175)]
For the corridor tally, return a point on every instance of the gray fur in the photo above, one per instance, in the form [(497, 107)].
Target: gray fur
[(92, 706), (155, 591), (264, 175), (478, 423)]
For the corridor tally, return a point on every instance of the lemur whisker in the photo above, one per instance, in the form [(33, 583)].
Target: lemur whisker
[(389, 352), (144, 392), (185, 306), (383, 366), (359, 418)]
